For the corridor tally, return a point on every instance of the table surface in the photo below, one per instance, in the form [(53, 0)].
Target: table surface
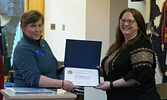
[(59, 94), (162, 90)]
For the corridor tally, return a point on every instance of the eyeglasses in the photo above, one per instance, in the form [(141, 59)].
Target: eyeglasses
[(130, 22)]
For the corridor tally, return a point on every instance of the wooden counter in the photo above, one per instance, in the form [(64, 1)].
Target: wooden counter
[(162, 90), (59, 95)]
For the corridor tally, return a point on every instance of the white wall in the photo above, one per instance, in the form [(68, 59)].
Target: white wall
[(140, 5), (72, 14)]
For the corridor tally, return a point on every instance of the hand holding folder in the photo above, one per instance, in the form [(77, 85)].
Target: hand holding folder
[(81, 59)]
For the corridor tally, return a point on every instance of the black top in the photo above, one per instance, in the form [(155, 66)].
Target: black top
[(136, 62)]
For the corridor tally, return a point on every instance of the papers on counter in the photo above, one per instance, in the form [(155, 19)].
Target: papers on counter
[(27, 90)]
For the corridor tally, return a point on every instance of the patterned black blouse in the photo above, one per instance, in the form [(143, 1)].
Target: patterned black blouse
[(136, 62)]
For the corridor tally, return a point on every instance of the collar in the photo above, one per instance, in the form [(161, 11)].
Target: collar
[(31, 40)]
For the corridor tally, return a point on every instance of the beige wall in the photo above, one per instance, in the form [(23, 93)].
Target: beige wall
[(97, 28), (116, 7), (98, 22)]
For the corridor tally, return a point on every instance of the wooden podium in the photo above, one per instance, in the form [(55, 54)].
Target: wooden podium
[(59, 95), (162, 90)]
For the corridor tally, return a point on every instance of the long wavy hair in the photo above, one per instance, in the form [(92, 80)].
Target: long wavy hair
[(118, 44)]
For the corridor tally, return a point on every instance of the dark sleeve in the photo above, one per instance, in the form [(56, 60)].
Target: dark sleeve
[(26, 63), (143, 63)]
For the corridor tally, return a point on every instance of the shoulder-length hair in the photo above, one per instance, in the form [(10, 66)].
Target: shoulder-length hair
[(118, 44)]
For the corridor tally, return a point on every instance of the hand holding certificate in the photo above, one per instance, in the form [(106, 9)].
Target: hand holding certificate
[(81, 76), (81, 59)]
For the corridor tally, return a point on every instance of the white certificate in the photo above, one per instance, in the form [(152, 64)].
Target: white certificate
[(82, 76)]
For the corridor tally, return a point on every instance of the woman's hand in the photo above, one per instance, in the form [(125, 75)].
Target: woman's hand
[(68, 85), (100, 69), (104, 86)]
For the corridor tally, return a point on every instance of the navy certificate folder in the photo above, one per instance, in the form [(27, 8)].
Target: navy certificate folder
[(82, 53)]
